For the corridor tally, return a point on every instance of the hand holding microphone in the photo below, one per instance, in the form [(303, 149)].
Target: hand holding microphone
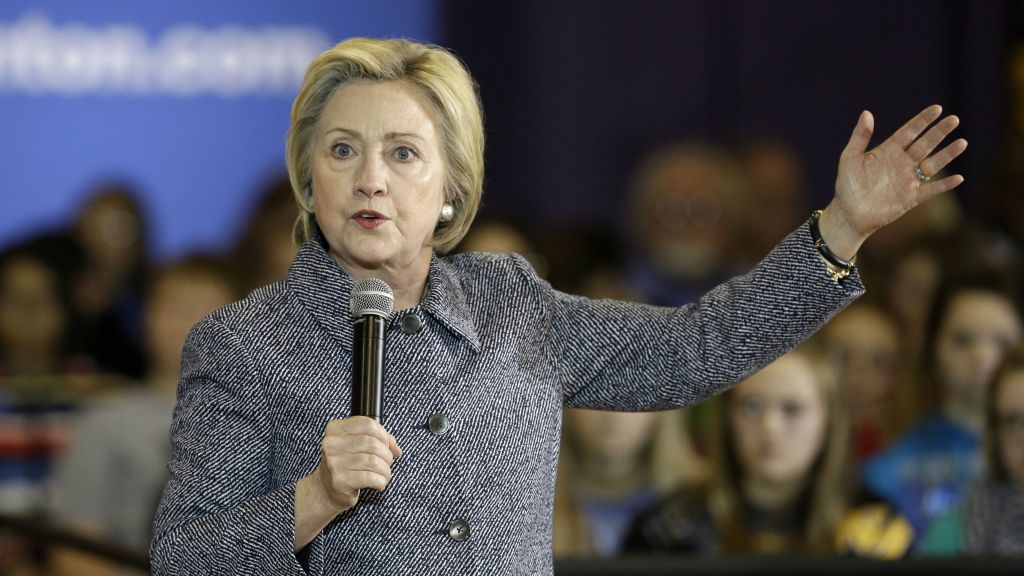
[(356, 452)]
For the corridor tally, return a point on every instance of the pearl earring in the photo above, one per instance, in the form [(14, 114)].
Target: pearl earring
[(447, 213)]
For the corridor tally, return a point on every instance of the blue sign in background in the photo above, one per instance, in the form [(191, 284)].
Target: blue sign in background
[(187, 101)]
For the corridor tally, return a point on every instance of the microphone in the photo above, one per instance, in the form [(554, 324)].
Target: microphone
[(370, 304)]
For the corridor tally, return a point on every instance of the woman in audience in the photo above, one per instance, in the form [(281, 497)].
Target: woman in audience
[(613, 466), (991, 521), (865, 342), (925, 474), (108, 482), (780, 478)]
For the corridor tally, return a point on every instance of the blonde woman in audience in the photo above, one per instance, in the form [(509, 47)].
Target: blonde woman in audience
[(613, 466), (780, 480)]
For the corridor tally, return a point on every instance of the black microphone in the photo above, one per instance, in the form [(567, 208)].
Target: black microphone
[(370, 304)]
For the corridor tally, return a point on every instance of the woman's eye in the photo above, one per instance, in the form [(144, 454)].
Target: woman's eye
[(792, 409), (342, 150), (404, 154), (752, 406)]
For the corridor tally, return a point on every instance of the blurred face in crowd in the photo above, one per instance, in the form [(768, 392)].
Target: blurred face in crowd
[(776, 195), (779, 420), (175, 304), (604, 436), (1010, 422), (32, 319), (867, 344), (682, 220), (911, 291), (110, 232), (977, 330), (378, 176)]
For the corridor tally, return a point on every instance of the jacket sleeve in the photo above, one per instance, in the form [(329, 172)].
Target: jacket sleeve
[(626, 356), (220, 512)]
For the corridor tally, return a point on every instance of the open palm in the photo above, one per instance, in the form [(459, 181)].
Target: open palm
[(875, 187)]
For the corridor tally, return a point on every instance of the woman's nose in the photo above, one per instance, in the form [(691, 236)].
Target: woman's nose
[(370, 179)]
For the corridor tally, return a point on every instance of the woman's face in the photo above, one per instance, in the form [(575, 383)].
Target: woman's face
[(779, 421), (32, 319), (868, 346), (603, 435), (1010, 421), (977, 330), (378, 176)]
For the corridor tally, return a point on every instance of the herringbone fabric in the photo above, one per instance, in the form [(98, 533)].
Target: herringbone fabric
[(500, 354)]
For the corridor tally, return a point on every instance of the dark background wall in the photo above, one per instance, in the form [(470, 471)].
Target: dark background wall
[(575, 92)]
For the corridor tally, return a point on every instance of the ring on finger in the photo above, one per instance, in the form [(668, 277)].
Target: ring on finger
[(920, 175)]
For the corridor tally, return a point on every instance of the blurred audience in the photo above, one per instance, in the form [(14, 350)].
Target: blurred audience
[(991, 520), (994, 511), (781, 476), (775, 202), (614, 465), (109, 481), (37, 393), (865, 342), (926, 473), (502, 237), (265, 249), (683, 217), (111, 234)]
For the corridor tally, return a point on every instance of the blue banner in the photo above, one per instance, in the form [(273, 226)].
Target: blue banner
[(187, 101)]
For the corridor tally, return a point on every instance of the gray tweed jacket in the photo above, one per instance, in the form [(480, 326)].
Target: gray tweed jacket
[(475, 387)]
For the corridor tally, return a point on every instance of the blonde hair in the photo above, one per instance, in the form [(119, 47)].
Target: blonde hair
[(444, 82), (669, 461), (828, 487)]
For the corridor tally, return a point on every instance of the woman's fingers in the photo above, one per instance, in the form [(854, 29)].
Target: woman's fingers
[(357, 453), (924, 145), (936, 187), (861, 136), (910, 131), (934, 164)]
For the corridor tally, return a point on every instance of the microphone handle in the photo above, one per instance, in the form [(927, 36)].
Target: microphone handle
[(368, 367)]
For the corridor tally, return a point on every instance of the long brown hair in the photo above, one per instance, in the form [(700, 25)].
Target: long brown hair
[(1013, 362), (828, 488)]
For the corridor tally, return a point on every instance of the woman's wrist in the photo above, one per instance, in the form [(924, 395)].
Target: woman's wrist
[(313, 510), (841, 238)]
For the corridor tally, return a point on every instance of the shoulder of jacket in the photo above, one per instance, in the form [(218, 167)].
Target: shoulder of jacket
[(256, 308), (490, 267)]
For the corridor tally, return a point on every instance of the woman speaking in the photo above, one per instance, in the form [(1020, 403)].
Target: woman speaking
[(271, 474)]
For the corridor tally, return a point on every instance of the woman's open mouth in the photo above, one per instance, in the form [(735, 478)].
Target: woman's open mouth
[(369, 219)]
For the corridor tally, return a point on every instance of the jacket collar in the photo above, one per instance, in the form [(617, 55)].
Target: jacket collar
[(324, 288)]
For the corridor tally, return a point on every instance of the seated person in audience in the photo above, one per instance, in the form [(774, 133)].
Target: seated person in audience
[(37, 384), (614, 465), (865, 341), (780, 476), (927, 472), (109, 480), (991, 521)]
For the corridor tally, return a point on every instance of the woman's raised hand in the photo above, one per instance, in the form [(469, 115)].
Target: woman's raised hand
[(875, 187)]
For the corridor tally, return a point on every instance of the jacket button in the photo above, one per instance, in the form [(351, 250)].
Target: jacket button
[(411, 323), (438, 424), (458, 530)]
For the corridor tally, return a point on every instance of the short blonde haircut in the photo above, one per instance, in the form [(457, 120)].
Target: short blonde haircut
[(443, 81)]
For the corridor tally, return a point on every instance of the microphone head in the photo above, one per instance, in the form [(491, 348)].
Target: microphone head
[(371, 296)]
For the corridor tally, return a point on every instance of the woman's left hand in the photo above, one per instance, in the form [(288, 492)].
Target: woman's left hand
[(875, 187)]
